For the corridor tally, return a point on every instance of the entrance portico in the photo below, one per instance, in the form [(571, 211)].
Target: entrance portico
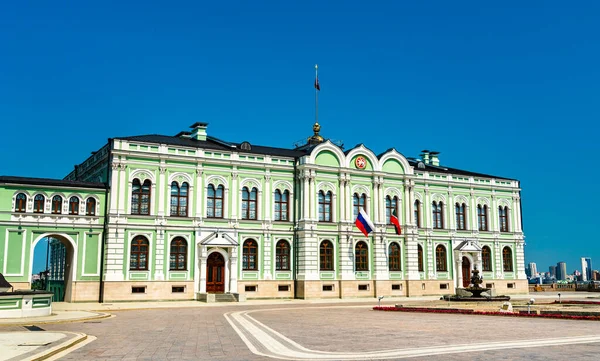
[(216, 266), (467, 255)]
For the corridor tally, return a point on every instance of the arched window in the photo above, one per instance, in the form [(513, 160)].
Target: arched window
[(359, 201), (503, 215), (214, 201), (438, 218), (507, 264), (140, 197), (281, 205), (38, 203), (361, 256), (482, 217), (326, 256), (395, 260), (138, 258), (21, 203), (440, 259), (178, 255), (179, 199), (391, 206), (90, 207), (418, 213), (249, 203), (56, 205), (74, 205), (461, 219), (250, 255), (486, 259), (420, 257), (325, 206), (282, 256)]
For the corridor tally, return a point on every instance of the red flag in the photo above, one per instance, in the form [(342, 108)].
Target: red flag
[(395, 222), (317, 86)]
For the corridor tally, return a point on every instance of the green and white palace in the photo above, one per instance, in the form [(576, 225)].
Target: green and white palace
[(157, 217)]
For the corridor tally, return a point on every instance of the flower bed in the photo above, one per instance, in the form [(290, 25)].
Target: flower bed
[(546, 314)]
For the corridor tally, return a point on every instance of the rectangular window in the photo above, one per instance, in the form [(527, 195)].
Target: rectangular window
[(252, 288), (283, 288), (443, 286), (327, 287), (489, 285), (138, 289), (510, 285), (363, 287), (178, 289), (397, 287)]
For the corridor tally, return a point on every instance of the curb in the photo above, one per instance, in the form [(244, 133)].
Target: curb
[(79, 337), (31, 320)]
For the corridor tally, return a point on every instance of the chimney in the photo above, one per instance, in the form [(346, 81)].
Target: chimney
[(425, 156), (435, 159), (199, 131)]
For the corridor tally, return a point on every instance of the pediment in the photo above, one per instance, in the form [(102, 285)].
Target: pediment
[(469, 246), (219, 239)]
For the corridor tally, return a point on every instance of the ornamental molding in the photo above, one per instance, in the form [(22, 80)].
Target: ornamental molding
[(483, 200), (217, 180), (282, 186), (326, 187), (437, 197), (460, 199), (360, 189), (180, 177), (251, 183), (419, 197), (393, 192), (142, 175), (504, 202)]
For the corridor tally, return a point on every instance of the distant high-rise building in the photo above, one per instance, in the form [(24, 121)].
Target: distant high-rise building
[(552, 271), (586, 268), (596, 275), (532, 269), (561, 271)]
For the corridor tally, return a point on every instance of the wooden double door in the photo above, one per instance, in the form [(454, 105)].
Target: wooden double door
[(466, 272), (215, 273)]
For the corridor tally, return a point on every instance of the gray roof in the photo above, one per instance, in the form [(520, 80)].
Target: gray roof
[(50, 182), (218, 144), (214, 144)]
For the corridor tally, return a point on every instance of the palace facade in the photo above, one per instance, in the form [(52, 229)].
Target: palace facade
[(158, 217)]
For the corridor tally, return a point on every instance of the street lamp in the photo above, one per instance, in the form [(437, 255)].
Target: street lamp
[(559, 297)]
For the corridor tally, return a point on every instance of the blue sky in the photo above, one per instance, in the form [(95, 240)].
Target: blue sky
[(509, 89)]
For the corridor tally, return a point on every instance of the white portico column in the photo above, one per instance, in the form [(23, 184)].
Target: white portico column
[(233, 270), (202, 256), (458, 269)]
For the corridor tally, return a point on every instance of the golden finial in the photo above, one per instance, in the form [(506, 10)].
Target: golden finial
[(316, 138)]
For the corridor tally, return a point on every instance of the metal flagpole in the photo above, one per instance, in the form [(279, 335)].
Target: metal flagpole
[(316, 93)]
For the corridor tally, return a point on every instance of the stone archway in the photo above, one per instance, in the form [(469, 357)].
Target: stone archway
[(66, 270)]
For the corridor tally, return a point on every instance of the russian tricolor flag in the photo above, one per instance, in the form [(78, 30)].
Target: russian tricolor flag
[(363, 222)]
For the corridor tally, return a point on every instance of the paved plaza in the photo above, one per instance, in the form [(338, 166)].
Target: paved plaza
[(315, 331)]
